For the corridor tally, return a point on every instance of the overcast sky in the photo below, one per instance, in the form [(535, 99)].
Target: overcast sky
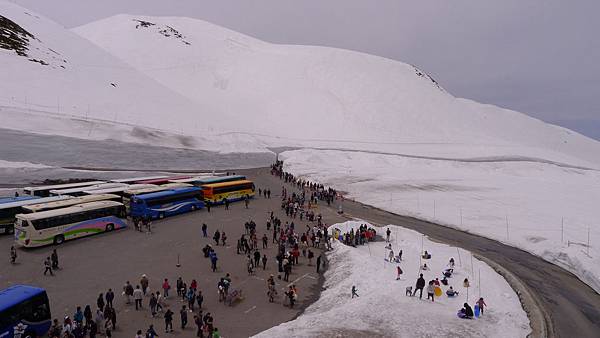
[(540, 57)]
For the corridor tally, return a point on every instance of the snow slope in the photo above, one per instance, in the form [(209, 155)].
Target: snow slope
[(55, 82), (541, 208), (318, 96), (383, 310)]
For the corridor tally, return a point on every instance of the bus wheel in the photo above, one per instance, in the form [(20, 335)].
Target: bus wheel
[(110, 227), (193, 208), (58, 240), (161, 215)]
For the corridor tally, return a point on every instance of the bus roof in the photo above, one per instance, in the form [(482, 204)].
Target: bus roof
[(226, 184), (191, 179), (16, 199), (82, 189), (63, 186), (16, 294), (70, 202), (168, 192), (33, 201), (135, 179), (68, 210), (118, 189), (175, 185), (163, 180), (145, 190), (213, 180)]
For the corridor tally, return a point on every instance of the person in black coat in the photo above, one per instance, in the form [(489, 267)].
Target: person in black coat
[(420, 285)]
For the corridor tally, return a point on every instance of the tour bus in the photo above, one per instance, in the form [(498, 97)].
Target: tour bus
[(44, 191), (118, 190), (58, 225), (80, 191), (9, 210), (16, 199), (232, 191), (200, 181), (166, 203), (162, 180), (135, 179), (69, 202), (25, 305)]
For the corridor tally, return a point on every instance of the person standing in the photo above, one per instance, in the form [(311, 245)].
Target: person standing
[(388, 232), (153, 301), (166, 288), (13, 255), (319, 263), (419, 286), (128, 292), (151, 333), (169, 321), (246, 201), (204, 230), (54, 258), (100, 301), (217, 236), (183, 315), (137, 297), (110, 295), (198, 322), (144, 283), (199, 300), (48, 267), (226, 204), (213, 261), (430, 290)]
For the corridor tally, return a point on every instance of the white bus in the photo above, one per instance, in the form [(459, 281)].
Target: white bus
[(118, 190), (9, 210), (135, 179), (59, 225), (69, 202), (44, 191), (80, 190)]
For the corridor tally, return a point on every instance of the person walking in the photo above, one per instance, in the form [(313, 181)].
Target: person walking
[(399, 270), (54, 259), (198, 322), (226, 204), (481, 303), (419, 286), (213, 261), (48, 267), (246, 201), (152, 303), (217, 236), (168, 321), (183, 315), (264, 261), (127, 292), (354, 291), (204, 230), (13, 255), (137, 297)]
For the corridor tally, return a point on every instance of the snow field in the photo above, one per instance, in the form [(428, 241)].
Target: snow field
[(383, 309), (541, 208)]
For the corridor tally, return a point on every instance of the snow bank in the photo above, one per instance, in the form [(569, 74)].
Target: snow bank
[(383, 310), (541, 208)]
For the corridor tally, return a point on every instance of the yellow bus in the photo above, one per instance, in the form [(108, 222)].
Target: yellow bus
[(217, 193), (58, 225)]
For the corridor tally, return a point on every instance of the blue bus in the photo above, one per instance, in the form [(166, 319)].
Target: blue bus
[(25, 305), (16, 199), (166, 203)]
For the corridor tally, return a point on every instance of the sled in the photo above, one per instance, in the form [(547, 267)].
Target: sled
[(437, 291)]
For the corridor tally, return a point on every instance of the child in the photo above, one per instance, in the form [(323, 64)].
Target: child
[(399, 272), (481, 304)]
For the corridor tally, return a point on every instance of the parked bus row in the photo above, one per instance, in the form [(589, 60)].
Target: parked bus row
[(60, 218)]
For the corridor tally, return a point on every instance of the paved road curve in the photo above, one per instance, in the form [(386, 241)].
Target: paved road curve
[(572, 308)]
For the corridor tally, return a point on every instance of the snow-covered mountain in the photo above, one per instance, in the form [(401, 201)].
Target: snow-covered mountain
[(54, 81), (319, 94)]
